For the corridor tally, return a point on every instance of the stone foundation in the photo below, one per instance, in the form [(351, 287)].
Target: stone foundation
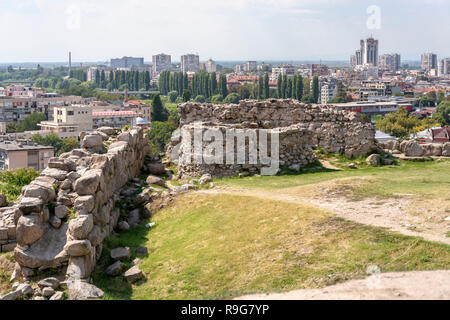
[(300, 127)]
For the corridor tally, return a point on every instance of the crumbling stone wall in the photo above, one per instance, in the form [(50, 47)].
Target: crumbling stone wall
[(62, 217), (412, 148), (301, 127)]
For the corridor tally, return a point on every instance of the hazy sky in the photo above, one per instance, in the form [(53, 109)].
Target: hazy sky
[(97, 30)]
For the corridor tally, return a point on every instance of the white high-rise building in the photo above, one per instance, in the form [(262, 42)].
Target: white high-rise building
[(369, 51), (161, 62), (190, 63)]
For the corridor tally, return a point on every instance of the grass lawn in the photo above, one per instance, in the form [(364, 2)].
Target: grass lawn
[(429, 179), (221, 246)]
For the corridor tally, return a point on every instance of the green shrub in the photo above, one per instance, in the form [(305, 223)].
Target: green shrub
[(12, 181)]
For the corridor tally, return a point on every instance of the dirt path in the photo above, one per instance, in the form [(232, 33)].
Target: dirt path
[(389, 286), (388, 213)]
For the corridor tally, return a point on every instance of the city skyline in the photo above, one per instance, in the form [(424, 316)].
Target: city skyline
[(233, 30)]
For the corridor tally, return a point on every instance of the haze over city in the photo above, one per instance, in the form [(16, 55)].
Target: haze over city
[(45, 30)]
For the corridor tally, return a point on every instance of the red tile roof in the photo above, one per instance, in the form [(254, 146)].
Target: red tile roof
[(113, 113)]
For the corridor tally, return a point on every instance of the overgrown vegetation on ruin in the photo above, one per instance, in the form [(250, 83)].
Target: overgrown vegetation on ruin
[(12, 181)]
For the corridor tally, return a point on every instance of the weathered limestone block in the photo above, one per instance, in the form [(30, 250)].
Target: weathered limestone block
[(92, 141), (63, 164), (80, 227), (28, 205), (107, 130), (39, 189), (76, 248), (80, 290), (88, 183), (120, 253), (446, 149), (55, 173), (61, 211), (413, 149), (86, 203), (29, 230)]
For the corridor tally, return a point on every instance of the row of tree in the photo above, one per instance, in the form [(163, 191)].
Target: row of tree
[(116, 79), (173, 81)]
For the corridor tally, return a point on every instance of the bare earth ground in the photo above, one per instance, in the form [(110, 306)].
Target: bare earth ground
[(433, 285), (396, 214)]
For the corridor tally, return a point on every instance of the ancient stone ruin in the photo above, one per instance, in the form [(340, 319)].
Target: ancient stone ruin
[(412, 148), (299, 126), (62, 217)]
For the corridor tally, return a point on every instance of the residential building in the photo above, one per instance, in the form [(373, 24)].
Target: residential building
[(390, 62), (115, 119), (369, 51), (285, 69), (190, 63), (429, 61), (142, 109), (16, 109), (17, 91), (328, 91), (372, 107), (250, 65), (73, 118), (209, 66), (16, 154), (161, 62), (444, 67), (319, 70), (93, 71), (127, 62)]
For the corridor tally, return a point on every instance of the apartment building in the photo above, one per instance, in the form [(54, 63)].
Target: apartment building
[(390, 62), (16, 154), (209, 66), (161, 62), (127, 62), (428, 61), (14, 109), (74, 118), (190, 63)]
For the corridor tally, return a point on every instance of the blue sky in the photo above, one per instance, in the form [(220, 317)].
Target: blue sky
[(96, 30)]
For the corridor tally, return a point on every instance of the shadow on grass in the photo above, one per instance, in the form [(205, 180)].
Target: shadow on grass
[(116, 287)]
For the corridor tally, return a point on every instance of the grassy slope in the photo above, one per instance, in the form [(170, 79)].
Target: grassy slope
[(221, 246)]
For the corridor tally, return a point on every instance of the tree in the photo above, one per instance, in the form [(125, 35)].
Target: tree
[(30, 122), (186, 95), (266, 86), (200, 98), (279, 86), (223, 90), (308, 98), (160, 135), (443, 112), (173, 96), (158, 112), (299, 87), (315, 89), (232, 98), (216, 98), (260, 87), (401, 124)]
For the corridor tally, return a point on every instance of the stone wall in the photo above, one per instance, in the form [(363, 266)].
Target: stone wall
[(301, 126), (62, 217), (412, 148)]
